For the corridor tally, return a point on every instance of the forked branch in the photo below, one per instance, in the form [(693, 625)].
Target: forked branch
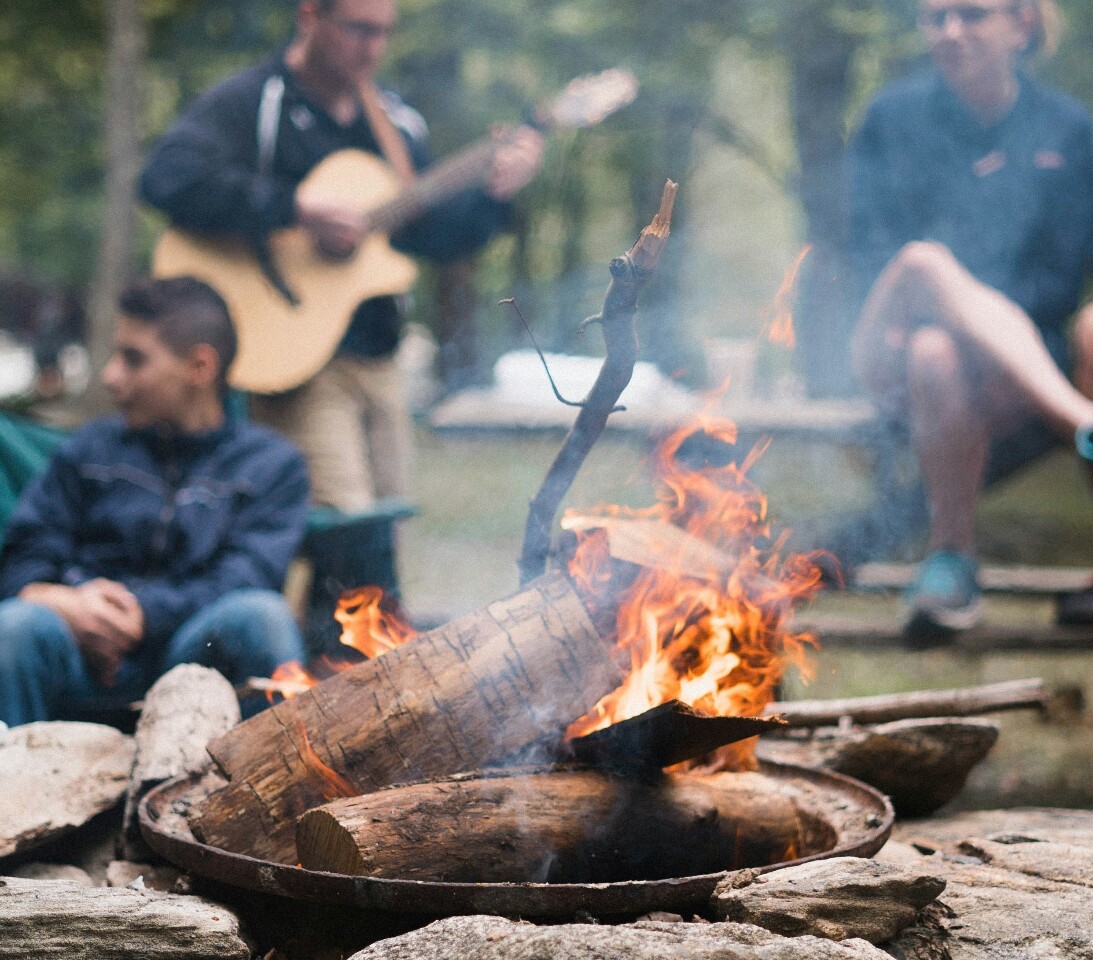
[(628, 275)]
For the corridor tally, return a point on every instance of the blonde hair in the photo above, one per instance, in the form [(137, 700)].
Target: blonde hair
[(1047, 23)]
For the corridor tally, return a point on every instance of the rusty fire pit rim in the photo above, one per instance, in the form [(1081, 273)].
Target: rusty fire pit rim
[(513, 898)]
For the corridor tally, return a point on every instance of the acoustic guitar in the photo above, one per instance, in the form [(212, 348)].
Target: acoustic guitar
[(282, 344)]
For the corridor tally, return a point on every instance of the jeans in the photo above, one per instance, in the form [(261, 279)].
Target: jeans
[(246, 633)]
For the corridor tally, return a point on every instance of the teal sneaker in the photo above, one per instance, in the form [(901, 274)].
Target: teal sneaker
[(943, 599)]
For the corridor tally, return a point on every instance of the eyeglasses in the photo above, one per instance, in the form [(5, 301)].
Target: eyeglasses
[(362, 29), (969, 15)]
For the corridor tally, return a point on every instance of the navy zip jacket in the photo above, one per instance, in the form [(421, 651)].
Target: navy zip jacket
[(204, 174), (180, 520), (1013, 201)]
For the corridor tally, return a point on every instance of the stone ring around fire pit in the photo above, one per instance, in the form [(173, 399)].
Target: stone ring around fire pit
[(839, 816)]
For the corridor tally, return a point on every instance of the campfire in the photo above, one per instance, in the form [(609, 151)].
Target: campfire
[(631, 676)]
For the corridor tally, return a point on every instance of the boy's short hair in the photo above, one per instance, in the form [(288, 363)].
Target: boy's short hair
[(185, 312)]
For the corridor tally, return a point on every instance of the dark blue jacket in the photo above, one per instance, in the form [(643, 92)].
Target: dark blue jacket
[(1013, 202), (179, 520), (204, 174)]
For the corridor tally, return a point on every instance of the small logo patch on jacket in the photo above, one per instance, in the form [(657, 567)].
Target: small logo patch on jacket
[(1048, 160)]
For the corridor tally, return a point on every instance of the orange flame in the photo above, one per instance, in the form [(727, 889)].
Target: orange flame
[(780, 328), (720, 643), (333, 784), (368, 626)]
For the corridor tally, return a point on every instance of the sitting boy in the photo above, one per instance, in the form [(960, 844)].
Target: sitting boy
[(155, 537)]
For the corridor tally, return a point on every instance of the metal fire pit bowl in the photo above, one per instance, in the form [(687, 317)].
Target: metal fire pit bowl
[(840, 817)]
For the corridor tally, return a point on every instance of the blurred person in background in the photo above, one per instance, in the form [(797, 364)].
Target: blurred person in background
[(231, 165), (971, 213)]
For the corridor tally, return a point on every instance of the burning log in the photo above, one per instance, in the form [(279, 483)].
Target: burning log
[(961, 702), (475, 691), (664, 736), (566, 826)]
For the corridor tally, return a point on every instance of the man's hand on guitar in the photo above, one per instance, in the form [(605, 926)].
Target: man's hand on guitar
[(337, 232), (516, 160)]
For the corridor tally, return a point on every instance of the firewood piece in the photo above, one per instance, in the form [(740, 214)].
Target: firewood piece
[(495, 938), (63, 919), (36, 870), (657, 544), (185, 708), (56, 777), (476, 690), (960, 702), (920, 764), (838, 898), (573, 826), (629, 274), (667, 734)]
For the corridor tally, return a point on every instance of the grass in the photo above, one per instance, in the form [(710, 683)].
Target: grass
[(460, 553)]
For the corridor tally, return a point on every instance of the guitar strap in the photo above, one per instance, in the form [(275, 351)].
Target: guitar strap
[(391, 143)]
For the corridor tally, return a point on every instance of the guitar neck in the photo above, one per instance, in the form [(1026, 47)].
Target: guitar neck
[(438, 183)]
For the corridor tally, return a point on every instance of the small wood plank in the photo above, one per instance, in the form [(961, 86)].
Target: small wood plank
[(666, 735), (1032, 580)]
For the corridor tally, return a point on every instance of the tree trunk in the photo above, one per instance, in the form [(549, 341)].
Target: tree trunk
[(820, 54), (569, 826), (480, 689), (123, 108)]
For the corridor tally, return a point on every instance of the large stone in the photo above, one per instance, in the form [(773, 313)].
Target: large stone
[(63, 919), (54, 777), (1019, 886), (838, 898), (494, 938)]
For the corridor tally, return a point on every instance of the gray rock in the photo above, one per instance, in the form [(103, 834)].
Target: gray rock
[(494, 938), (838, 898)]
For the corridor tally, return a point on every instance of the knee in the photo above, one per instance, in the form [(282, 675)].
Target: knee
[(934, 360), (1082, 338), (29, 634), (264, 609)]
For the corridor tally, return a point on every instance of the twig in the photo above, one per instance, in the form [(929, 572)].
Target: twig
[(628, 275), (963, 702)]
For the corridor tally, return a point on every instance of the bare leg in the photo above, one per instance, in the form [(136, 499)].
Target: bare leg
[(924, 281), (950, 436)]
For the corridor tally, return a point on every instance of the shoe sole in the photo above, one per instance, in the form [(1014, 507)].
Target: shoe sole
[(924, 625)]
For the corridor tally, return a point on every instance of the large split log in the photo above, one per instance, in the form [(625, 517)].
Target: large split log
[(59, 918), (54, 777), (565, 826), (480, 689)]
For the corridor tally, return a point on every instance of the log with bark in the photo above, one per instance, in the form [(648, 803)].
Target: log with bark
[(477, 690), (563, 826)]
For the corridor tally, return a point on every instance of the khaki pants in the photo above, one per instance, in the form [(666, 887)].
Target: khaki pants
[(352, 423)]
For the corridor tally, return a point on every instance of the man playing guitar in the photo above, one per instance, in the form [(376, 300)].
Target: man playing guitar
[(231, 167)]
